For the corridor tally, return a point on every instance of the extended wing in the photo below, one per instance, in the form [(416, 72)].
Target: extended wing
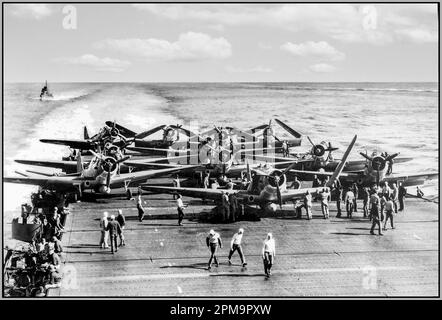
[(59, 183), (74, 144), (214, 194), (412, 179), (324, 173), (134, 178), (66, 166)]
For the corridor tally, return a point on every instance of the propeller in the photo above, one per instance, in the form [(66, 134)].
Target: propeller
[(319, 150), (378, 162), (276, 177), (114, 131), (330, 149)]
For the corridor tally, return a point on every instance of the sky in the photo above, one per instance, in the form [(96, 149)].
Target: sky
[(220, 42)]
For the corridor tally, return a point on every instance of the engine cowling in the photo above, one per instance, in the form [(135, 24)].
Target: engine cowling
[(378, 163), (109, 164), (318, 150)]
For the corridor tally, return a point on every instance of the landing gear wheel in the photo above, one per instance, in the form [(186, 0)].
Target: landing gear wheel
[(129, 194)]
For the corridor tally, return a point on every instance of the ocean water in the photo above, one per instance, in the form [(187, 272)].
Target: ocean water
[(392, 117)]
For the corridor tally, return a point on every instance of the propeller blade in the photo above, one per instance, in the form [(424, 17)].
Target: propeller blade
[(288, 129), (108, 179), (392, 156), (100, 156), (311, 142), (249, 173), (290, 167), (123, 159), (366, 156), (263, 126), (341, 164), (278, 194)]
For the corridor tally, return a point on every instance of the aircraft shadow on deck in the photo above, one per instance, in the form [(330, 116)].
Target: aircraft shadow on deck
[(351, 233), (201, 266), (261, 275)]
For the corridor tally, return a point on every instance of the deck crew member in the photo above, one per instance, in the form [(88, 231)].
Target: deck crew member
[(225, 205), (122, 221), (206, 183), (339, 192), (383, 201), (390, 166), (356, 194), (213, 240), (230, 185), (374, 201), (53, 266), (389, 207), (296, 184), (114, 229), (386, 191), (285, 149), (298, 208), (349, 202), (235, 245), (233, 203), (419, 192), (180, 209), (308, 204), (57, 245), (395, 196), (140, 206), (268, 254), (366, 199), (325, 197), (176, 184), (375, 213), (316, 182), (401, 195)]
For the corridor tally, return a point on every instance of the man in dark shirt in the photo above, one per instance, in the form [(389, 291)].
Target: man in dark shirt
[(114, 229), (401, 195), (355, 200), (122, 221), (338, 193)]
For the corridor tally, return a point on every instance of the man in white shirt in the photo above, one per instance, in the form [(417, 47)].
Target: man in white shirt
[(235, 244), (268, 254), (104, 233), (180, 207), (213, 240), (325, 197), (349, 201)]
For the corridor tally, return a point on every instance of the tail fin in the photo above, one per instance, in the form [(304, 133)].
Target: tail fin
[(86, 134), (341, 165), (80, 167)]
